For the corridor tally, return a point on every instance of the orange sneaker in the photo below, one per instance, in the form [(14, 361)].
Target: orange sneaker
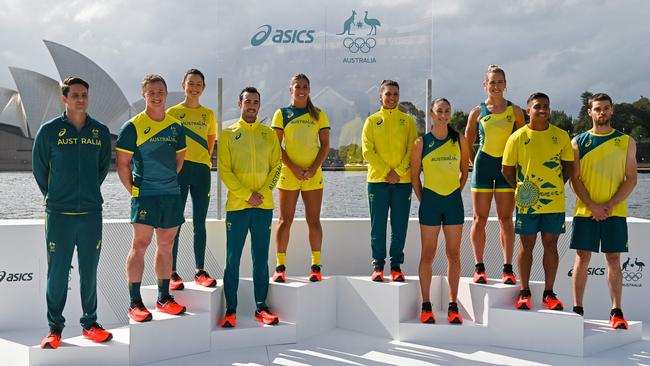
[(229, 320), (52, 340), (453, 315), (552, 302), (509, 278), (176, 282), (265, 316), (396, 275), (377, 274), (280, 275), (524, 302), (480, 277), (427, 316), (169, 306), (616, 319), (315, 275), (203, 278), (97, 334), (139, 312)]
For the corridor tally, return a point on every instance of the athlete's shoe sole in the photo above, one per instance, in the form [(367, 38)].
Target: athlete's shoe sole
[(509, 278), (480, 277), (427, 317)]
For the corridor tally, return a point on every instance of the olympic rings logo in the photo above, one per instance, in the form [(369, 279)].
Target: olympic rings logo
[(359, 44), (632, 276)]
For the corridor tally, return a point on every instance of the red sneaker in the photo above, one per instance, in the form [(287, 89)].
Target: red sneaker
[(396, 275), (480, 277), (176, 282), (52, 340), (229, 320), (169, 306), (265, 316), (139, 312), (616, 320), (315, 275), (509, 278), (280, 276), (377, 274), (454, 317), (97, 334), (552, 302), (524, 302), (427, 317), (203, 278)]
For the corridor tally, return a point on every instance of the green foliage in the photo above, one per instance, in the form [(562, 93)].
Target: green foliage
[(562, 120), (350, 154), (639, 133), (418, 115), (459, 121)]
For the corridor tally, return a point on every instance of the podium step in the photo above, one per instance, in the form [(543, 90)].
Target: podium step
[(168, 336), (251, 333), (441, 331), (599, 336), (23, 348)]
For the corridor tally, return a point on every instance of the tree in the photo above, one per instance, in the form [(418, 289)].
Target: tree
[(583, 123), (639, 132), (418, 115), (459, 120), (562, 120)]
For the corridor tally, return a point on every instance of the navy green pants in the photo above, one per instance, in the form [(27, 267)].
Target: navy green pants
[(63, 233), (383, 197), (238, 223), (194, 179)]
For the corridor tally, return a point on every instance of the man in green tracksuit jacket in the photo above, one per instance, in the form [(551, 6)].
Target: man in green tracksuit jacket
[(71, 157)]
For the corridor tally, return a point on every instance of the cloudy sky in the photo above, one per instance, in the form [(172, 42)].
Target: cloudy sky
[(559, 47)]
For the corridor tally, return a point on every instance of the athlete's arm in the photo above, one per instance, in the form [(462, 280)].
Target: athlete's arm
[(598, 212), (41, 161), (470, 132), (224, 165), (275, 165), (630, 177), (416, 167), (519, 117), (295, 169), (464, 160), (567, 170), (368, 150), (509, 174), (404, 165), (212, 139), (509, 161), (323, 151), (123, 166)]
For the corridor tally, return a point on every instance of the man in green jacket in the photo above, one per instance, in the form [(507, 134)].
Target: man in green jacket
[(70, 159)]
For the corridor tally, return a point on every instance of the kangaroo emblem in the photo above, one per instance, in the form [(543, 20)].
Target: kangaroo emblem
[(348, 25), (373, 23), (627, 262)]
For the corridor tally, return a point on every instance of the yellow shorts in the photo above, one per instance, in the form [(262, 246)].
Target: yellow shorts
[(289, 182)]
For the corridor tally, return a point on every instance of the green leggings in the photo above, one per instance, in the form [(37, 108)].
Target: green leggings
[(194, 179), (63, 233), (383, 197), (238, 223)]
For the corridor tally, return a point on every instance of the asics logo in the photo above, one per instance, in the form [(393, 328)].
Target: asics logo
[(588, 143), (182, 116), (380, 122), (526, 142), (147, 130), (62, 132), (237, 136)]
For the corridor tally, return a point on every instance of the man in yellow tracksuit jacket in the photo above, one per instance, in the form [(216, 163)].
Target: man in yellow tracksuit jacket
[(249, 162)]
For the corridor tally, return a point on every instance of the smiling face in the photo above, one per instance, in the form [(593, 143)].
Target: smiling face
[(77, 99), (539, 109), (441, 112), (193, 86), (249, 106), (155, 95), (299, 90), (601, 112), (495, 84), (389, 96)]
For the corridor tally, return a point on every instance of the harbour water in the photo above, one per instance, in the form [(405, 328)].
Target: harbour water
[(344, 196)]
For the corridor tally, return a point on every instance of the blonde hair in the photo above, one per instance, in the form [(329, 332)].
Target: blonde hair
[(495, 69)]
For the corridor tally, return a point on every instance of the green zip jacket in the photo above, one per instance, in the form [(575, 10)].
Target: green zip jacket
[(70, 165)]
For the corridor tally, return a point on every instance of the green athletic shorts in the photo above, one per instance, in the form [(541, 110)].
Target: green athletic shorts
[(157, 211), (528, 224), (607, 236), (436, 210)]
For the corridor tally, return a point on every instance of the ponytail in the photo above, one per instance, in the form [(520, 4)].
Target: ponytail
[(314, 111)]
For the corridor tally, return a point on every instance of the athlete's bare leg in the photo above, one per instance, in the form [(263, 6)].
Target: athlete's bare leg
[(288, 200), (481, 202), (614, 278), (453, 234), (579, 276), (429, 240), (505, 205), (313, 201)]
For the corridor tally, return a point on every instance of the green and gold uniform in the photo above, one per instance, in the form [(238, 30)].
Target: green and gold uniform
[(441, 202), (537, 157), (301, 141), (387, 142), (494, 130), (198, 123), (154, 144), (602, 171), (249, 160), (69, 166)]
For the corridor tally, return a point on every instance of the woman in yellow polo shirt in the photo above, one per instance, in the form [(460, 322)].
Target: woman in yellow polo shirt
[(304, 133)]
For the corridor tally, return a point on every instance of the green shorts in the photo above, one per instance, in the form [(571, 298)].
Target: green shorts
[(607, 236), (158, 211), (528, 224), (486, 174), (436, 210)]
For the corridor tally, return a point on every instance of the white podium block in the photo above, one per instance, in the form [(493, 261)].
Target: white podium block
[(375, 308), (441, 332), (196, 298), (23, 348), (168, 336), (477, 298), (311, 306), (599, 336), (251, 333)]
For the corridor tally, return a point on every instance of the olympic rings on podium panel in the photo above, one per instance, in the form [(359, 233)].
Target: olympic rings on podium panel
[(632, 276), (359, 44)]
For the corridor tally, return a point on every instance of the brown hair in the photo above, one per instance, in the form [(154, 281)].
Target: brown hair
[(72, 80), (314, 111), (599, 97), (385, 83), (495, 69), (152, 78)]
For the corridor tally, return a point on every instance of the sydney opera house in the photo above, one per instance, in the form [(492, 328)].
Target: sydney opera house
[(37, 100)]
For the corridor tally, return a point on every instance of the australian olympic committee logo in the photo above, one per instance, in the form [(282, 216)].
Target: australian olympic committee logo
[(357, 41), (632, 272)]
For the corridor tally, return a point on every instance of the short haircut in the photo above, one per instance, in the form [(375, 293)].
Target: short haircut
[(194, 72), (599, 97), (385, 83), (249, 89), (152, 78), (537, 95), (72, 80)]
